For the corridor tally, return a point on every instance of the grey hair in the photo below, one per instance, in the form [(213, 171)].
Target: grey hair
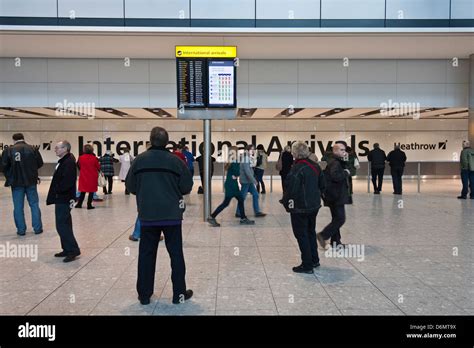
[(466, 144), (300, 150), (66, 144)]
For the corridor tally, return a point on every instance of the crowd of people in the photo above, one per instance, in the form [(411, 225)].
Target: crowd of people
[(158, 173)]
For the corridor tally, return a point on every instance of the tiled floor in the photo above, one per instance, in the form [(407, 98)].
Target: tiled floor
[(418, 259)]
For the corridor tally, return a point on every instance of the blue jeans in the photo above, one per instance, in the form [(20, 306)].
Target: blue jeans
[(136, 231), (18, 194), (467, 178), (246, 188)]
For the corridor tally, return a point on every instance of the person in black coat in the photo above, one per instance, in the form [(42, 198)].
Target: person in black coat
[(397, 159), (62, 193), (377, 160), (336, 195), (159, 179), (302, 199)]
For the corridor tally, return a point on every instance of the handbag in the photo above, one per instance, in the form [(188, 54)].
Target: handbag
[(102, 182)]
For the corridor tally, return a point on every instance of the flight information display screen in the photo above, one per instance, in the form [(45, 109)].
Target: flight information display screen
[(206, 83), (192, 81), (221, 74)]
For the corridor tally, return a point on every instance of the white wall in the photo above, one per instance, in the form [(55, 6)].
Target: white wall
[(261, 83)]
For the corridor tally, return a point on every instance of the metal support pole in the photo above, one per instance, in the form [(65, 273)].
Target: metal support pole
[(419, 177), (368, 177), (207, 170), (271, 182)]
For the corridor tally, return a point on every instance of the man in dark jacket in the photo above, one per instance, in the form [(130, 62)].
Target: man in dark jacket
[(377, 160), (336, 195), (62, 193), (397, 159), (159, 179), (302, 199), (20, 165)]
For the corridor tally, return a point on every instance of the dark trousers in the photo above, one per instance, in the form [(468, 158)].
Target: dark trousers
[(147, 252), (283, 181), (338, 218), (351, 188), (89, 199), (201, 175), (126, 191), (304, 229), (110, 180), (377, 178), (225, 204), (259, 176), (467, 178), (64, 228), (397, 174)]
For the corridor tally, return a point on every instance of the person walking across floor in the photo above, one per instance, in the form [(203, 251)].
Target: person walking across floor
[(467, 170), (107, 167), (159, 180), (336, 195), (248, 182), (21, 162), (397, 159), (302, 199), (231, 189), (89, 168), (126, 160), (377, 160), (259, 170), (62, 193)]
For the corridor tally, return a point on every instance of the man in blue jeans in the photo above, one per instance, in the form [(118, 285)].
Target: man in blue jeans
[(467, 170), (20, 166), (248, 181)]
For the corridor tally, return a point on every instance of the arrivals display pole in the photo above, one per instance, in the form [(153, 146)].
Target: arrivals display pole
[(207, 90), (207, 169)]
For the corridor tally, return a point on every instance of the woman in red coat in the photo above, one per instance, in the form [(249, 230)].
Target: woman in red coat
[(89, 168)]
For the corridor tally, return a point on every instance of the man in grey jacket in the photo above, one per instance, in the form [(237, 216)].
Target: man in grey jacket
[(248, 181)]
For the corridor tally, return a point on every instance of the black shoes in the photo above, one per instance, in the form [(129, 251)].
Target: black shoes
[(183, 297), (144, 301), (90, 207), (462, 197), (316, 265), (301, 269), (247, 222), (39, 232), (376, 192), (260, 214), (61, 254), (71, 257), (132, 238), (212, 221)]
